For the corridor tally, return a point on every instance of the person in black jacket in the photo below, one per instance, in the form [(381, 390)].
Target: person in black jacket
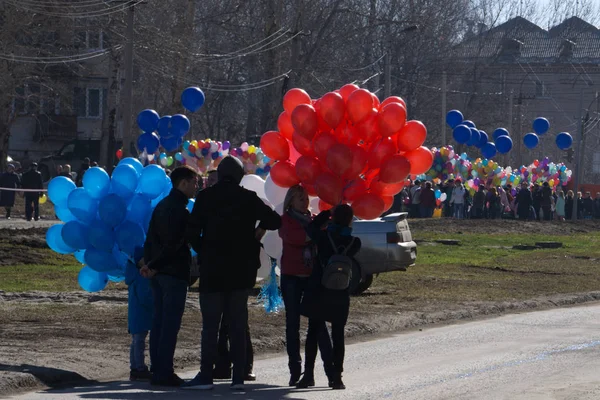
[(537, 201), (32, 179), (9, 180), (223, 231), (524, 201), (167, 260)]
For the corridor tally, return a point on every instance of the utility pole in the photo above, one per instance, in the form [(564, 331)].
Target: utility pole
[(388, 75), (579, 155), (128, 89), (510, 121), (444, 143)]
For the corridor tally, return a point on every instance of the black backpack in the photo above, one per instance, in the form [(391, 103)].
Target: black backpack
[(338, 271)]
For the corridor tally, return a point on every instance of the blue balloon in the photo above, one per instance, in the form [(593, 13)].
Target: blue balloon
[(100, 261), (59, 189), (541, 125), (152, 182), (112, 210), (205, 151), (454, 118), (96, 182), (180, 125), (129, 236), (148, 141), (531, 140), (475, 138), (116, 278), (488, 150), (171, 143), (469, 123), (564, 141), (124, 181), (500, 132), (134, 162), (64, 214), (503, 144), (74, 234), (192, 98), (483, 139), (101, 236), (92, 281), (462, 134), (79, 256), (190, 205), (148, 120), (139, 210), (55, 240), (82, 205), (438, 193), (164, 125)]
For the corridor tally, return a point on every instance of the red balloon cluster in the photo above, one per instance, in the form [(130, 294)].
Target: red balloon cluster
[(347, 147)]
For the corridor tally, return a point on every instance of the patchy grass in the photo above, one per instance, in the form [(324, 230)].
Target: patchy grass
[(51, 278)]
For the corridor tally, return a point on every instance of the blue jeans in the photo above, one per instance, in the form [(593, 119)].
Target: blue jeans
[(169, 303), (136, 351), (459, 211), (292, 290), (425, 212)]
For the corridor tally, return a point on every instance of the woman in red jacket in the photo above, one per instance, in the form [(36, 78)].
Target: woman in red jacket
[(296, 266)]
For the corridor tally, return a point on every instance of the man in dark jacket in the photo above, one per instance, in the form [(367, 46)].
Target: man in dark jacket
[(546, 193), (223, 231), (32, 179), (167, 256), (524, 201), (536, 195), (9, 180), (478, 203)]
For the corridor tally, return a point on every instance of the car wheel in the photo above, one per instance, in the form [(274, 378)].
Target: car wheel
[(364, 284), (356, 278), (45, 172)]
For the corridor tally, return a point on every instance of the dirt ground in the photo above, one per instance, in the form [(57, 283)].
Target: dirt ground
[(48, 338)]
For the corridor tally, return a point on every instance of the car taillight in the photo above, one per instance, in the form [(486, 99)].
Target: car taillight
[(392, 237)]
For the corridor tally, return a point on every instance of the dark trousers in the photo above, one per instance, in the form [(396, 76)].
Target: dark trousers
[(32, 206), (213, 306), (224, 360), (169, 303), (425, 212), (547, 213), (292, 290), (315, 328), (537, 212), (8, 210)]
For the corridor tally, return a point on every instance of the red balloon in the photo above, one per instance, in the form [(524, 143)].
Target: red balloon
[(368, 206), (303, 145), (391, 119), (293, 98), (393, 99), (283, 174), (412, 136), (359, 162), (386, 189), (359, 105), (119, 154), (380, 150), (275, 146), (420, 160), (305, 121), (371, 174), (284, 125), (329, 188), (310, 190), (332, 109), (388, 202), (307, 169), (323, 206), (367, 130), (322, 143), (339, 159), (376, 102), (394, 169), (355, 189), (347, 90)]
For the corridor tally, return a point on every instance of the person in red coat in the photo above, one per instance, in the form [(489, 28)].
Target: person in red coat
[(296, 267)]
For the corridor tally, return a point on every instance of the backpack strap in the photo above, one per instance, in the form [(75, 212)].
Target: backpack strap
[(335, 248)]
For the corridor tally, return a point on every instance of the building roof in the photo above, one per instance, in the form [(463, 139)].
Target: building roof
[(521, 41)]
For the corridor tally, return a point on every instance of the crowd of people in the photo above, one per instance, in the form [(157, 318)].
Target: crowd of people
[(225, 228), (525, 202), (29, 183)]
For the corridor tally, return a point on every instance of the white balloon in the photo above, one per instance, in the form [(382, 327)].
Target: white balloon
[(279, 209), (254, 183), (272, 244), (274, 193), (443, 197), (314, 205)]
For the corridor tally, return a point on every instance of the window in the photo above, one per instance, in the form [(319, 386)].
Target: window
[(87, 102), (93, 103), (596, 163), (33, 98), (89, 39)]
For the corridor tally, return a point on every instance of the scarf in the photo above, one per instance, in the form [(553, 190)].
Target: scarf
[(304, 219)]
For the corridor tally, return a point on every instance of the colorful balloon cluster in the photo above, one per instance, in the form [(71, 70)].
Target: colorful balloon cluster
[(448, 165), (546, 171), (347, 147)]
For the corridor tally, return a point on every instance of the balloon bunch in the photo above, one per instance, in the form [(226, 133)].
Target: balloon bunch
[(490, 173), (106, 219), (546, 171), (170, 129), (465, 132), (448, 165), (346, 147), (540, 126)]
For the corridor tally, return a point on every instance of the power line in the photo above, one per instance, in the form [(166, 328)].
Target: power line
[(52, 60), (86, 14)]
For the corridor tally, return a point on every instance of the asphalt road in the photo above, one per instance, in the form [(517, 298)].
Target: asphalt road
[(541, 355)]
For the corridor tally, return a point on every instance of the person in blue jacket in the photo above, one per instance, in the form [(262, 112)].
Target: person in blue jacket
[(139, 317)]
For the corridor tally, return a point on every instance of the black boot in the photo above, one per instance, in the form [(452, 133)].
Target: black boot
[(295, 373), (308, 380)]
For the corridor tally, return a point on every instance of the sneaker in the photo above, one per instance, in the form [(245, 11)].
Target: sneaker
[(305, 382), (338, 384), (238, 387), (171, 381), (198, 383), (143, 375), (250, 376)]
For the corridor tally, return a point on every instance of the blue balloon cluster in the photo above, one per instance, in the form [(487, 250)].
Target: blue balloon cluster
[(105, 220)]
